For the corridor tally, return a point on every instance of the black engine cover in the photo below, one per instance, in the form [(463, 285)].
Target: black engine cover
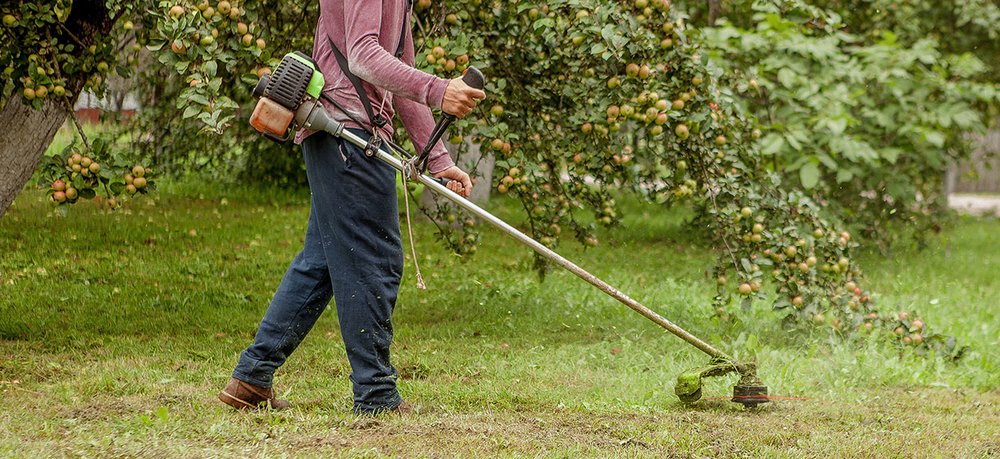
[(287, 86)]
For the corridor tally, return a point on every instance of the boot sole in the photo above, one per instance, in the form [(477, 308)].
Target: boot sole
[(229, 399)]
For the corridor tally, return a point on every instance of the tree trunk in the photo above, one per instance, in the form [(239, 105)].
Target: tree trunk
[(25, 134), (714, 11), (480, 167)]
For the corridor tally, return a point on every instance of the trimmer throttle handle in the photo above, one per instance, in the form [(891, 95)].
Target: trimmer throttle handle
[(474, 79)]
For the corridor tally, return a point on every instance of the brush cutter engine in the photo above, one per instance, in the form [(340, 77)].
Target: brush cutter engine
[(289, 99)]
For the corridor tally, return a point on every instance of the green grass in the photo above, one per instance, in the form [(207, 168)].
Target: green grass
[(118, 329)]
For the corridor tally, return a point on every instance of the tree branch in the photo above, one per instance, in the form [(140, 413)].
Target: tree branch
[(72, 35)]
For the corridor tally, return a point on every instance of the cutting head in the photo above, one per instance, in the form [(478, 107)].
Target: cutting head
[(749, 391), (750, 395)]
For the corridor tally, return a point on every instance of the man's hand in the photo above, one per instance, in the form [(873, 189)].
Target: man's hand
[(460, 181), (460, 98)]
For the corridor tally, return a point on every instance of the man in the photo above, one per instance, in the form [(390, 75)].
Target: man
[(353, 251)]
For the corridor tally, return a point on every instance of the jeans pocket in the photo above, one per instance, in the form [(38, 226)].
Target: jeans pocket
[(347, 154)]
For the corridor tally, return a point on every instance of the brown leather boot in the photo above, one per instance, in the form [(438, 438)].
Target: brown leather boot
[(245, 396), (405, 408)]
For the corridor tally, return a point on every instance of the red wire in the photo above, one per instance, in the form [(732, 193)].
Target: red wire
[(769, 397)]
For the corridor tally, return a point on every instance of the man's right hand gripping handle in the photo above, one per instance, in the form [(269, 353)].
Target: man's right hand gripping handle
[(463, 93)]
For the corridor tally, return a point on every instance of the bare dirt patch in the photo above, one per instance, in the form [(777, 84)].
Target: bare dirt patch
[(919, 423)]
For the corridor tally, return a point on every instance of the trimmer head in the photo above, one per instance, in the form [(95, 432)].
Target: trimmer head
[(750, 395), (749, 391)]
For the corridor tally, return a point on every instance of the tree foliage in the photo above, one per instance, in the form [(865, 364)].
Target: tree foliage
[(64, 48), (959, 27), (870, 128)]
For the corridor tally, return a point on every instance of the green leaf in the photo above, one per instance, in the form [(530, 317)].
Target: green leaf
[(809, 174), (787, 77), (199, 99), (891, 154), (837, 126), (966, 118), (543, 22), (97, 145), (210, 68), (156, 45), (190, 111), (792, 140), (827, 161), (771, 144), (934, 138)]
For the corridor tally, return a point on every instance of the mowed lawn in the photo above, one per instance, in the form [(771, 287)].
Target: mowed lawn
[(117, 329)]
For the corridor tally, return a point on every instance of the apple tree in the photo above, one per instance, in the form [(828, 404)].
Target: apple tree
[(592, 98), (194, 58), (51, 51)]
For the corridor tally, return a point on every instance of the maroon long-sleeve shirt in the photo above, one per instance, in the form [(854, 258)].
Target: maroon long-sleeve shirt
[(368, 33)]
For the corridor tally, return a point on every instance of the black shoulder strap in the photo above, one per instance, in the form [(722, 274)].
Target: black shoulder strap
[(402, 30), (376, 120)]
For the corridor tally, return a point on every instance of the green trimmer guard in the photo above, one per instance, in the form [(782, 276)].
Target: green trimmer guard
[(748, 391)]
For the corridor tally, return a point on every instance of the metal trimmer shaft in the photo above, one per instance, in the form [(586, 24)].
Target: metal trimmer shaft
[(636, 306)]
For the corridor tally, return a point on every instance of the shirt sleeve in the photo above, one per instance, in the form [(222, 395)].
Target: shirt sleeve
[(371, 62), (419, 121)]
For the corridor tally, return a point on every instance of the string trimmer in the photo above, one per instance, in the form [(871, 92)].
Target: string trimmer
[(290, 99)]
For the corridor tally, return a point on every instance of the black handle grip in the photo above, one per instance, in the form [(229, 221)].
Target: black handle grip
[(474, 78)]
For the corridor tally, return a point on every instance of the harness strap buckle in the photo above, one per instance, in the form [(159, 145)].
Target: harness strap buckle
[(373, 145)]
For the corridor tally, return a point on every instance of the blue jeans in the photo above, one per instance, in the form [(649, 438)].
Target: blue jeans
[(353, 253)]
